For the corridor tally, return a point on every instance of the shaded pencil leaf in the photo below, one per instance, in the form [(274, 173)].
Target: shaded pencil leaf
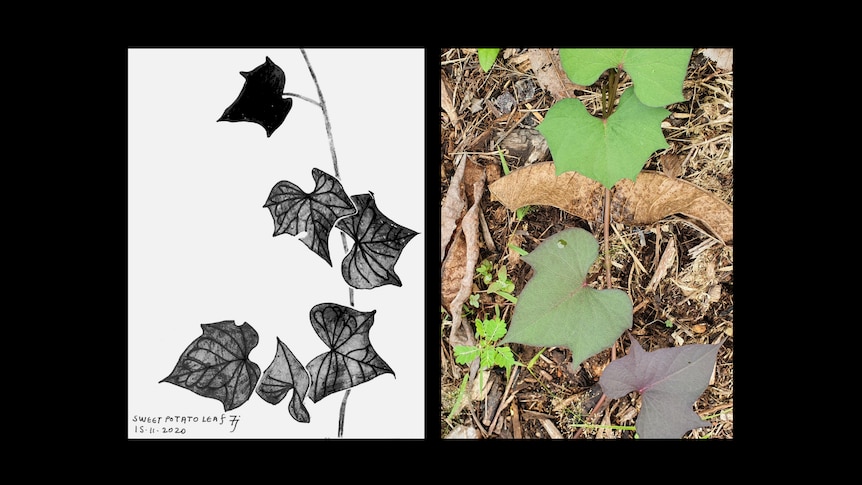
[(351, 359), (294, 211), (378, 242), (283, 374), (216, 364), (261, 100)]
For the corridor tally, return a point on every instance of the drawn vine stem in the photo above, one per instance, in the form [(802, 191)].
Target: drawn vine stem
[(322, 105)]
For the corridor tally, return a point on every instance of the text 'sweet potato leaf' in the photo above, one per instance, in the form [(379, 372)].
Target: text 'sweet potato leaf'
[(378, 242), (669, 382), (294, 211), (216, 364), (605, 150), (556, 308), (283, 374), (352, 360), (261, 100), (657, 74)]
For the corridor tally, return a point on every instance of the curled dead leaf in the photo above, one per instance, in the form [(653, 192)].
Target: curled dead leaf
[(549, 72), (453, 208), (650, 198), (459, 263)]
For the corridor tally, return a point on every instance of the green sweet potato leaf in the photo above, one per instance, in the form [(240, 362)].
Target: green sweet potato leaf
[(487, 57), (603, 150), (669, 381), (556, 308), (657, 74)]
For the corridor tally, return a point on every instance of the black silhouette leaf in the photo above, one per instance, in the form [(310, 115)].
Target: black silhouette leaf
[(216, 364), (378, 242), (283, 374), (352, 360), (294, 211), (261, 100)]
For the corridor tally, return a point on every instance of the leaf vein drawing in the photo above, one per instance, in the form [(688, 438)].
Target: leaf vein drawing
[(378, 243), (294, 211), (351, 359), (284, 374), (216, 364)]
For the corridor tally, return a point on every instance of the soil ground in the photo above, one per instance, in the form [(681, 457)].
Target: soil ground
[(692, 303)]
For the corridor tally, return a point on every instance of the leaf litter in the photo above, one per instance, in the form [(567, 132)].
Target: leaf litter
[(689, 304)]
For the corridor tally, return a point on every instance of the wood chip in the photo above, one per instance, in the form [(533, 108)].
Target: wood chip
[(668, 258), (551, 429)]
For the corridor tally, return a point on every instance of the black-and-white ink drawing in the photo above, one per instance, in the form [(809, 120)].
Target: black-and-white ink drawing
[(272, 301)]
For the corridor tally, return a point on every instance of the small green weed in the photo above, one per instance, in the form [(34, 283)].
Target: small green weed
[(488, 333), (502, 285)]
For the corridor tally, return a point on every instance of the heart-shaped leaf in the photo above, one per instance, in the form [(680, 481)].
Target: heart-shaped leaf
[(556, 308), (378, 242), (352, 360), (657, 74), (669, 381), (283, 374), (261, 100), (216, 364), (294, 211), (605, 150)]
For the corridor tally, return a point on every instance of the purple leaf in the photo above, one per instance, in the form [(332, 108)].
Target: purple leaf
[(216, 364), (669, 381), (260, 100), (352, 360), (294, 211), (283, 374), (378, 242)]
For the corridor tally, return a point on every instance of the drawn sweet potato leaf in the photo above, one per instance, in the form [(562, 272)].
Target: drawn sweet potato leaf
[(378, 242), (652, 197), (605, 150), (217, 365), (283, 374), (351, 360), (261, 100), (294, 211), (669, 381), (556, 308), (657, 74)]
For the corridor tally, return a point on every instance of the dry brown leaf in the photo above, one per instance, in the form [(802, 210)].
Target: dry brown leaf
[(452, 208), (446, 103), (462, 432), (723, 57), (667, 260), (650, 198), (671, 164), (550, 74), (459, 265)]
